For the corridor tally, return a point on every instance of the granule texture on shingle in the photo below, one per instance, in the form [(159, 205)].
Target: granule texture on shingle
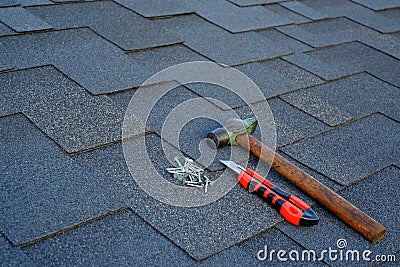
[(342, 30), (354, 96), (374, 196), (202, 230), (43, 190), (345, 59), (133, 241), (4, 30), (156, 8), (11, 255), (21, 20), (353, 151), (61, 108), (117, 24), (322, 9), (379, 5), (221, 46), (304, 10), (94, 63), (236, 19)]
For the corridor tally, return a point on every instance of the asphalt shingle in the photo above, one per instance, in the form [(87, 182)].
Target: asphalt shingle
[(88, 59), (191, 131), (322, 9), (304, 10), (231, 256), (361, 57), (222, 13), (208, 229), (163, 107), (236, 19), (349, 153), (283, 182), (378, 5), (221, 46), (342, 30), (393, 14), (277, 77), (273, 77), (365, 196), (248, 253), (156, 8), (217, 92), (6, 3), (21, 20), (196, 131), (295, 118), (354, 96), (154, 60), (329, 70), (3, 68), (133, 242), (43, 191), (316, 66), (11, 255), (200, 231), (318, 107), (78, 55), (253, 2), (286, 42), (345, 59), (111, 21), (291, 123), (290, 15), (4, 30), (69, 1), (62, 109)]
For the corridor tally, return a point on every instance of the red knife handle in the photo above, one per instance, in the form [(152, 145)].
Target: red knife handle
[(288, 210), (295, 200)]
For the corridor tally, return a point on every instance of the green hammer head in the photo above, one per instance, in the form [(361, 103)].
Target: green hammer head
[(233, 128)]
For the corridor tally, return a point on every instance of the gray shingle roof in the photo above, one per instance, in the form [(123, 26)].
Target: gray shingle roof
[(329, 71)]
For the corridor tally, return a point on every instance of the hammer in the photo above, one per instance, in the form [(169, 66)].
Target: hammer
[(238, 131)]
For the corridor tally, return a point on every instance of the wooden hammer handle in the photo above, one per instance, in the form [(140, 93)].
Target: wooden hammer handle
[(351, 215)]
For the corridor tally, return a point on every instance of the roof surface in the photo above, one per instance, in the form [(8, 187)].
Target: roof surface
[(329, 70)]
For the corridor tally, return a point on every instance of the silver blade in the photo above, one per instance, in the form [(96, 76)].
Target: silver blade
[(233, 166)]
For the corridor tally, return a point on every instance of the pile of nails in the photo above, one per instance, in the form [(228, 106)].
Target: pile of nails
[(189, 174)]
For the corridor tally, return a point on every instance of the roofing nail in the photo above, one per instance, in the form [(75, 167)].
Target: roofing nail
[(199, 174), (192, 182), (174, 172), (182, 171), (206, 184), (194, 185), (190, 178), (174, 169), (178, 162)]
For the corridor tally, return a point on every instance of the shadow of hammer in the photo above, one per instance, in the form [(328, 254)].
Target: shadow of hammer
[(238, 131)]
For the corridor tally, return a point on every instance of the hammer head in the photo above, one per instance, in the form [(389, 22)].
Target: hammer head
[(233, 128)]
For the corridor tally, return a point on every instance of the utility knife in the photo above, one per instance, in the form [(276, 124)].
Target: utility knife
[(292, 208)]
